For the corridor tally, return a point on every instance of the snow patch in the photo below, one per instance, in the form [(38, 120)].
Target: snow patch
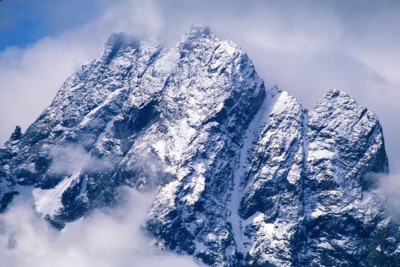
[(48, 201), (320, 154), (250, 136), (110, 97)]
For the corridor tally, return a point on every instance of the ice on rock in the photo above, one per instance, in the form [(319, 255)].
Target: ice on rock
[(245, 176)]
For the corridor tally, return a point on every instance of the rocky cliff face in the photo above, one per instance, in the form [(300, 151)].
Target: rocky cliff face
[(245, 176)]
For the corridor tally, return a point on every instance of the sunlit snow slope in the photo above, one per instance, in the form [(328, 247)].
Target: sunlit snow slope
[(245, 176)]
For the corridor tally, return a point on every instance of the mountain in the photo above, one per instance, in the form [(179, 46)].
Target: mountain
[(245, 176)]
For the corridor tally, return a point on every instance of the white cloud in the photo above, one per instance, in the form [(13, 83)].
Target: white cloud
[(390, 188), (305, 47), (71, 159), (30, 78), (109, 238)]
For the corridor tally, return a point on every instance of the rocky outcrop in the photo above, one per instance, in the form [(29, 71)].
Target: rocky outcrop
[(245, 176)]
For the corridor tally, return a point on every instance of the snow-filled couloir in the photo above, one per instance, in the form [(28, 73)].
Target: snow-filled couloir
[(245, 176)]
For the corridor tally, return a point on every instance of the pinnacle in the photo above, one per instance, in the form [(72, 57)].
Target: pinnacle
[(197, 32)]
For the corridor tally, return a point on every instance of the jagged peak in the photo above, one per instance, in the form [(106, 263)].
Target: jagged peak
[(285, 96), (200, 143), (116, 41), (274, 90), (198, 31), (16, 135), (345, 110), (196, 34), (337, 98), (120, 38), (200, 39), (337, 94)]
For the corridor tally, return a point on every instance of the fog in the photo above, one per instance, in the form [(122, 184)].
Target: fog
[(109, 238), (304, 47)]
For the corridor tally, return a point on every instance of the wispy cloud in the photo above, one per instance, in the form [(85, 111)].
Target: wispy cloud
[(305, 47), (388, 186), (70, 159)]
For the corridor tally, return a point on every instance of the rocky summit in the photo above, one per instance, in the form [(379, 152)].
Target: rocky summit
[(244, 176)]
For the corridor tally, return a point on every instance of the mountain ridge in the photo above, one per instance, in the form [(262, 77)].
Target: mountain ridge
[(246, 176)]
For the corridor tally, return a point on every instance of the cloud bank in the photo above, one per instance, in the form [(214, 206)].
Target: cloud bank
[(108, 238), (305, 47)]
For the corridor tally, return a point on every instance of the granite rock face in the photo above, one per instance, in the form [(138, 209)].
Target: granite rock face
[(245, 176)]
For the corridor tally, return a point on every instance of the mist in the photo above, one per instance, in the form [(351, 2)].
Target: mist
[(71, 158), (304, 47), (388, 186), (108, 237)]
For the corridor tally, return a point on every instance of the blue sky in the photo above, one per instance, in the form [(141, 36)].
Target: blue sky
[(24, 22), (305, 47)]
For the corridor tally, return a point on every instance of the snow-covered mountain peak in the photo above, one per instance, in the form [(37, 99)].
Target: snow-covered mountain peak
[(245, 176), (198, 31), (336, 98)]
